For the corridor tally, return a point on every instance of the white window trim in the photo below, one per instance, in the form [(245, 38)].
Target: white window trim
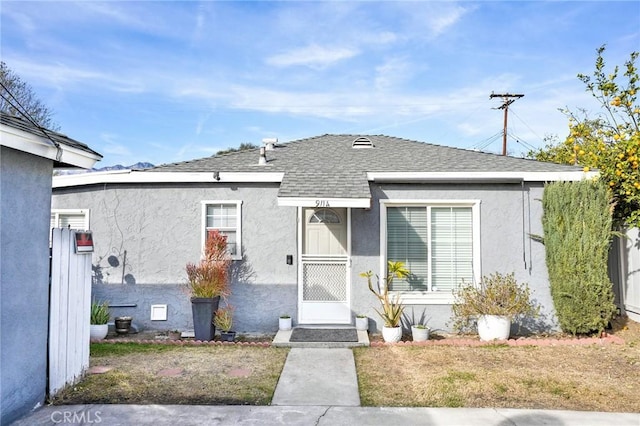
[(424, 297), (238, 203), (85, 212)]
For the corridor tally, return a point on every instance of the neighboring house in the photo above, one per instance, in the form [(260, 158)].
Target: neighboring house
[(305, 218), (28, 155)]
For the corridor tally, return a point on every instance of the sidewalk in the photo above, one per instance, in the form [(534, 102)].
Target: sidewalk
[(318, 386), (186, 415)]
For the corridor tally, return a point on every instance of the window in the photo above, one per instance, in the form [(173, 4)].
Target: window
[(438, 243), (70, 218), (324, 216), (226, 217)]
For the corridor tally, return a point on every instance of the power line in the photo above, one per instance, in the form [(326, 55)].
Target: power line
[(507, 99), (25, 113)]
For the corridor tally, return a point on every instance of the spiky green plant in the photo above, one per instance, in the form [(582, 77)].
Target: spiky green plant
[(392, 309), (99, 313), (577, 220)]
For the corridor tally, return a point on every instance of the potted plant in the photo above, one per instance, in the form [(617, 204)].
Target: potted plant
[(284, 322), (98, 320), (224, 320), (493, 305), (362, 322), (420, 332), (208, 281), (391, 312)]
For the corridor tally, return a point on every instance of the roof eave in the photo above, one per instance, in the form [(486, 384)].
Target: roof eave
[(42, 147), (135, 176), (479, 177)]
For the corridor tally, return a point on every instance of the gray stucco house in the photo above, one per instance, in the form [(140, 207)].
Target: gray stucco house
[(305, 218), (28, 155)]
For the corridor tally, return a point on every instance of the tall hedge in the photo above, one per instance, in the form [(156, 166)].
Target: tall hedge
[(577, 220)]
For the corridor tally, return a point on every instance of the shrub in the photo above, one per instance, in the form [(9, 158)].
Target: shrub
[(577, 220), (497, 294)]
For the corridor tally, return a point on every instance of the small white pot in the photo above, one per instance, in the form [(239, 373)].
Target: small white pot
[(284, 323), (493, 327), (419, 334), (362, 323), (98, 331), (391, 334)]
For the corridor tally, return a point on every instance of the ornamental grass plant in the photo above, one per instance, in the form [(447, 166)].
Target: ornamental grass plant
[(497, 294), (209, 278)]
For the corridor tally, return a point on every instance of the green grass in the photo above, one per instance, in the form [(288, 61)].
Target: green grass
[(98, 350)]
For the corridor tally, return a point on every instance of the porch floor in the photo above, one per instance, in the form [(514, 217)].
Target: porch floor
[(282, 339)]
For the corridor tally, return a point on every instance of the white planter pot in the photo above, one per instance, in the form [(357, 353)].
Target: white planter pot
[(284, 324), (362, 323), (419, 334), (98, 331), (493, 327), (391, 334)]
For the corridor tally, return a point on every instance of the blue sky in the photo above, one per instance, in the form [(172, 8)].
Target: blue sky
[(162, 81)]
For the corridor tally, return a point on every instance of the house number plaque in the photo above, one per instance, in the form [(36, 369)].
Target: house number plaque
[(322, 203)]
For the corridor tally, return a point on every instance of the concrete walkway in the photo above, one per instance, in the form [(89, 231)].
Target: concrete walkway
[(318, 376), (318, 386)]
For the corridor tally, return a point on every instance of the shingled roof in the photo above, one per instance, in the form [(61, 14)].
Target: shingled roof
[(70, 151), (332, 166), (388, 154), (339, 168)]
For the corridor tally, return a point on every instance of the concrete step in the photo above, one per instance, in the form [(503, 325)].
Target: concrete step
[(282, 340)]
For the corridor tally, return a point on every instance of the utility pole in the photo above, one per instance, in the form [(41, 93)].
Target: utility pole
[(508, 99)]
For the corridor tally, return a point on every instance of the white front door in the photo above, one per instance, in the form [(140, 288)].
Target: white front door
[(323, 293)]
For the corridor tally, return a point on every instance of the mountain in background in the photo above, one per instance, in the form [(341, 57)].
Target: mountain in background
[(137, 166)]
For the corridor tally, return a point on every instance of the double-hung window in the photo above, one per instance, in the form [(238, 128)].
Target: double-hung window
[(225, 217), (437, 241)]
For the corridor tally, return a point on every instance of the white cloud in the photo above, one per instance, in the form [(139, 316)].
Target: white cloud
[(312, 56)]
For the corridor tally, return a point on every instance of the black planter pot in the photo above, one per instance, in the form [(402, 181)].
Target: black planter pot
[(123, 325), (203, 309), (227, 336)]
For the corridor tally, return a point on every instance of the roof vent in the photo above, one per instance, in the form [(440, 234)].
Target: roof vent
[(263, 156), (362, 142), (270, 143)]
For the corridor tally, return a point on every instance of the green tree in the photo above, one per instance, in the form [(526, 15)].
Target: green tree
[(577, 230), (610, 142), (17, 98), (243, 147)]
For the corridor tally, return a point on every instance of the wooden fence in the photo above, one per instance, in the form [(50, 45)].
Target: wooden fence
[(70, 301)]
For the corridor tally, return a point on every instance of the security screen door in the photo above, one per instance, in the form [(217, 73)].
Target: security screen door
[(324, 291)]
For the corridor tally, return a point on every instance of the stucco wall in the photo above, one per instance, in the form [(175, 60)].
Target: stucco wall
[(159, 229), (159, 226), (503, 248), (25, 198)]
